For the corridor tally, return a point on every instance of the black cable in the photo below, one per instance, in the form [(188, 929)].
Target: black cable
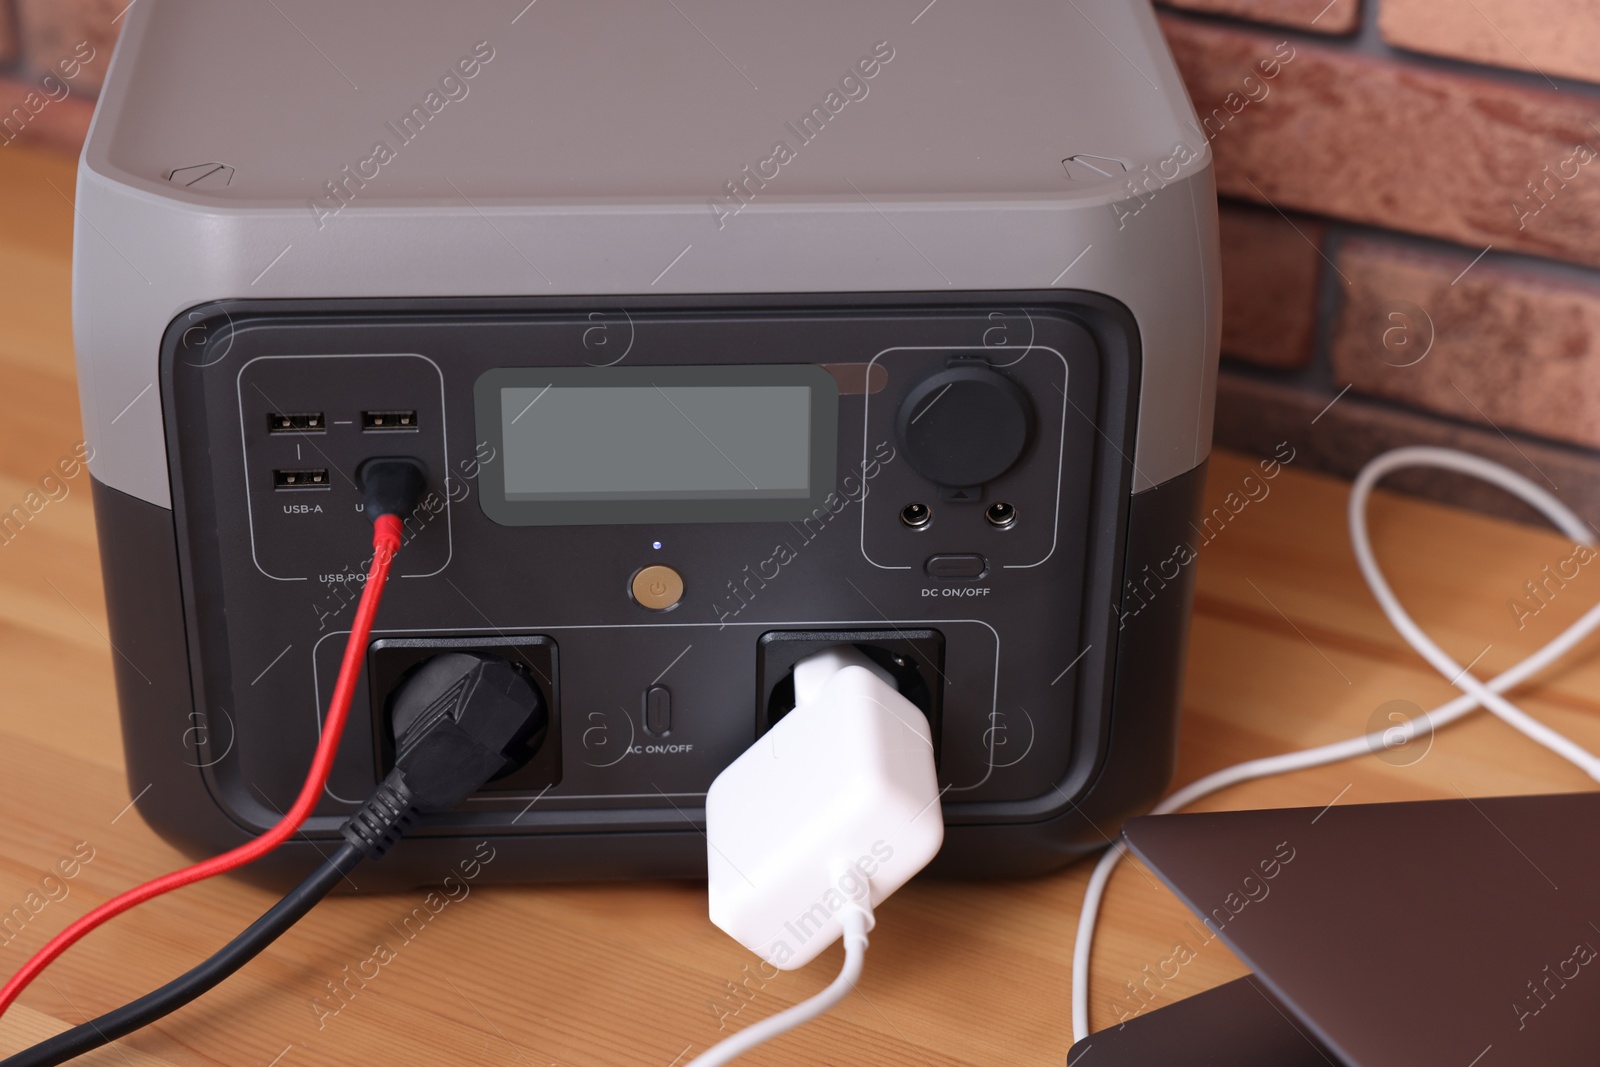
[(181, 990), (458, 720)]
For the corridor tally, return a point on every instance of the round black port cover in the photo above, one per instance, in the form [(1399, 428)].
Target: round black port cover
[(965, 425)]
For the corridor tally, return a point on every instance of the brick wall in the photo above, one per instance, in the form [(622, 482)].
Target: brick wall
[(1411, 230), (53, 56), (1411, 216)]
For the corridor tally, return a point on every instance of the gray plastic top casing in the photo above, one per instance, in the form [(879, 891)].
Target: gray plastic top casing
[(623, 148)]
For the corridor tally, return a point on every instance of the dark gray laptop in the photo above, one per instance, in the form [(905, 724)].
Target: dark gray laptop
[(1456, 932)]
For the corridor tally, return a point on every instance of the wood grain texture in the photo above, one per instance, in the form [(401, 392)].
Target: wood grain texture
[(1288, 650)]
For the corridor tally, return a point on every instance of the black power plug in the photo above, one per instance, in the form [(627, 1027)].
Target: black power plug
[(391, 485), (459, 719)]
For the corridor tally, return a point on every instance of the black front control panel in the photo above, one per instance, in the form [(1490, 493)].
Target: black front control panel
[(962, 525)]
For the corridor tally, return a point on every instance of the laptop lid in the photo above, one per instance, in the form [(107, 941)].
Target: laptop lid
[(1461, 932), (1236, 1024)]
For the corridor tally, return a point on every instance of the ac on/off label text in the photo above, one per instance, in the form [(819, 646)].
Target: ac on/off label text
[(957, 590), (661, 750)]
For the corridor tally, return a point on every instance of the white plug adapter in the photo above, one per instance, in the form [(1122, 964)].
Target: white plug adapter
[(837, 804)]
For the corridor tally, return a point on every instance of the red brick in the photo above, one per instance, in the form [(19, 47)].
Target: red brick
[(1373, 140), (59, 125), (1255, 416), (54, 30), (1552, 37), (1320, 16), (1269, 286), (1511, 348), (8, 35)]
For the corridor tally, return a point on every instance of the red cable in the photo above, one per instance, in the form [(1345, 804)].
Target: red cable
[(385, 543)]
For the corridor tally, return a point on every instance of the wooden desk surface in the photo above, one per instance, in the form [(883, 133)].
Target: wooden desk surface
[(1288, 650)]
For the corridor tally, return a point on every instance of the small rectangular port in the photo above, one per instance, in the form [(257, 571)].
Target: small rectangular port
[(388, 421), (310, 478), (297, 422)]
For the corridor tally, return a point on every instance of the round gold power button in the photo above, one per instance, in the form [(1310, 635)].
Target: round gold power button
[(657, 588)]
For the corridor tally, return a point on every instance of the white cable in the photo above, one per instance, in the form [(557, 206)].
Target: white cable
[(1449, 459), (857, 919), (1476, 693)]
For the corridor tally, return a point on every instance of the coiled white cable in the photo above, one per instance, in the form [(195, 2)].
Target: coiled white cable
[(1475, 693)]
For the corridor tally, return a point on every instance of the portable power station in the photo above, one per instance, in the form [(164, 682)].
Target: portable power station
[(722, 331)]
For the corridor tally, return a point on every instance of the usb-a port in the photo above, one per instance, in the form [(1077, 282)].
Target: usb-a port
[(388, 421), (300, 422), (311, 478)]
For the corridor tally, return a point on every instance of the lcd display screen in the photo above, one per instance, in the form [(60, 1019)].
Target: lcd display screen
[(657, 444)]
